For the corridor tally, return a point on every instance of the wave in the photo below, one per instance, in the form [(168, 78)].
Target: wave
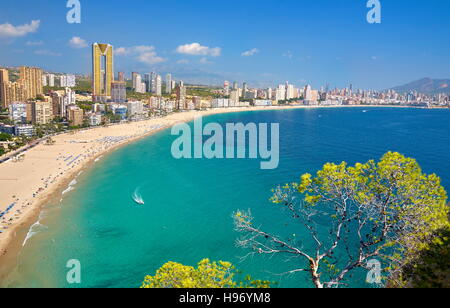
[(34, 229), (70, 187), (136, 196)]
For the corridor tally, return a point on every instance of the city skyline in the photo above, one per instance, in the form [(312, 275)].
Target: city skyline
[(311, 43)]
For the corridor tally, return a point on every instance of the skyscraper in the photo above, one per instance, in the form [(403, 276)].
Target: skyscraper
[(181, 96), (51, 80), (140, 86), (31, 79), (42, 112), (4, 76), (244, 89), (168, 84), (11, 91), (102, 76), (153, 76), (121, 76), (226, 88), (4, 80), (118, 92), (158, 85), (148, 82), (134, 76)]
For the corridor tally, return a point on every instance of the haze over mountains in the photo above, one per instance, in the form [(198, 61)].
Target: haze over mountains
[(426, 86)]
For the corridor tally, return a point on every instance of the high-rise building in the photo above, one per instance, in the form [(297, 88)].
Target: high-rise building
[(121, 76), (158, 85), (67, 81), (308, 94), (4, 76), (50, 80), (290, 91), (11, 92), (102, 76), (135, 110), (57, 104), (134, 76), (119, 92), (168, 84), (226, 88), (140, 86), (269, 93), (244, 89), (153, 77), (75, 116), (42, 112), (280, 93), (18, 113), (181, 96), (31, 79), (69, 97), (148, 82), (234, 97), (4, 80)]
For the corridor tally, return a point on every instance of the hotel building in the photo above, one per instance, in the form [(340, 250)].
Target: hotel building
[(102, 71)]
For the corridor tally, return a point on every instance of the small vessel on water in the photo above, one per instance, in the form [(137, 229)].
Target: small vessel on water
[(137, 197)]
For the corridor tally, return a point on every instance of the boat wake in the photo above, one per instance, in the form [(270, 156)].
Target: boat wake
[(137, 197)]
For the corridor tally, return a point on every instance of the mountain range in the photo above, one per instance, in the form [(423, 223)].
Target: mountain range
[(426, 86)]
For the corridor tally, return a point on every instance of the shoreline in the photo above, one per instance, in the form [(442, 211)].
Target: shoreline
[(32, 172), (19, 221)]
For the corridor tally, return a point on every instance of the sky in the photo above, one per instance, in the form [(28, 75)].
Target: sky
[(263, 42)]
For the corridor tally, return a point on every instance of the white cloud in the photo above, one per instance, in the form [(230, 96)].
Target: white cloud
[(78, 42), (7, 30), (196, 49), (45, 52), (37, 43), (374, 58), (250, 53), (144, 54)]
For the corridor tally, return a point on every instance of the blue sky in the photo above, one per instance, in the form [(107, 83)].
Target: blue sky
[(314, 41)]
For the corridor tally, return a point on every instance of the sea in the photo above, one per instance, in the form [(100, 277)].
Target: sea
[(188, 203)]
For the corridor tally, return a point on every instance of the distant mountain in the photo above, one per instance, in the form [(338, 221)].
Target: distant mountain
[(426, 86)]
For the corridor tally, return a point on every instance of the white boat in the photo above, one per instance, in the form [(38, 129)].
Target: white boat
[(137, 197)]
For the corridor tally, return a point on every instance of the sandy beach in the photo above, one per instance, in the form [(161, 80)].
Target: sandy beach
[(46, 171)]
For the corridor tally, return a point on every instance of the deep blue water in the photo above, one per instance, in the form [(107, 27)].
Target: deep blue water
[(187, 216)]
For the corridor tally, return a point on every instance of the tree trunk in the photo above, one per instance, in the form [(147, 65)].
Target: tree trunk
[(315, 276)]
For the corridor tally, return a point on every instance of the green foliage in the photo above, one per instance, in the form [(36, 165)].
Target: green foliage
[(203, 92), (5, 137), (389, 210), (430, 268), (86, 106), (2, 151), (206, 275), (413, 203)]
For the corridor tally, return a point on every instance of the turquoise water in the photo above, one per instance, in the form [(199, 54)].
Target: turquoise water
[(187, 215)]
